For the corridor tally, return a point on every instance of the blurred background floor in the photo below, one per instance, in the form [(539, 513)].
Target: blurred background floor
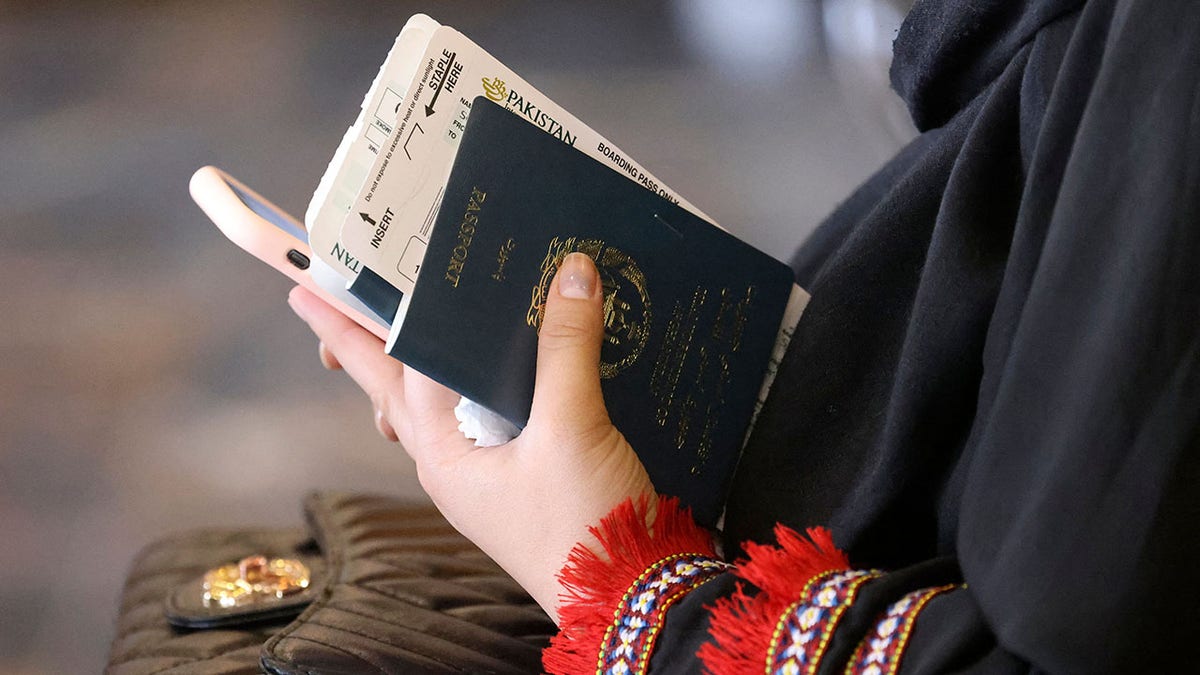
[(152, 377)]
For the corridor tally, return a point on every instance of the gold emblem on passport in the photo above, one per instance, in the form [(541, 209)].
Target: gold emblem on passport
[(253, 580), (495, 89), (626, 302)]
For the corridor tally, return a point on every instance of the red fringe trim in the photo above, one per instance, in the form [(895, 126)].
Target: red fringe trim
[(742, 625), (595, 584)]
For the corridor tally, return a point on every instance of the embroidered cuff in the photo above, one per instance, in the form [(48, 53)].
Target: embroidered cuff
[(629, 641), (805, 585), (614, 608), (880, 651)]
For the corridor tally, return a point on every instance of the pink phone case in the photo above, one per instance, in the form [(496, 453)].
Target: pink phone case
[(211, 190)]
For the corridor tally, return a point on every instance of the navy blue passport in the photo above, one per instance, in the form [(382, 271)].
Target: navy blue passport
[(691, 312)]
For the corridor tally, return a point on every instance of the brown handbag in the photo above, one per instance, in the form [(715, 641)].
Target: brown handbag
[(390, 588)]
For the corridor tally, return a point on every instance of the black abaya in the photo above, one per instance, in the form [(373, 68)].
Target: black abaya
[(997, 378)]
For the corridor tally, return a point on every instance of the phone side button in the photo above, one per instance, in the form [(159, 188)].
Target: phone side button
[(297, 258)]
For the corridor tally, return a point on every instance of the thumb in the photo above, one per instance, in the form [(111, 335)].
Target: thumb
[(566, 392)]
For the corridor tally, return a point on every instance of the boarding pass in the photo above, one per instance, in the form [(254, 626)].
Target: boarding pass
[(355, 156), (387, 228)]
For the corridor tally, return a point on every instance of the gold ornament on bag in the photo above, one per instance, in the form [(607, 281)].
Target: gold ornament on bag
[(254, 579)]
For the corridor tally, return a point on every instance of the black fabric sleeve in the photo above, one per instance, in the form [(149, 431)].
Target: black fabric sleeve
[(1076, 521), (686, 628), (951, 634), (1079, 518)]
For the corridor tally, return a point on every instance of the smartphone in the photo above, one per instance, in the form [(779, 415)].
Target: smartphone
[(268, 233)]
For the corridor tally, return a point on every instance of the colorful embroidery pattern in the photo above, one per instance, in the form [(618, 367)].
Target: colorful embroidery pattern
[(803, 631), (629, 641), (880, 651)]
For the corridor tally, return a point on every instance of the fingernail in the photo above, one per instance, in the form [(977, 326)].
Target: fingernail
[(328, 360), (576, 277), (385, 427)]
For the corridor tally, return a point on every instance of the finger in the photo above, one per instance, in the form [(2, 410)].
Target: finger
[(327, 358), (358, 352), (431, 412), (567, 386)]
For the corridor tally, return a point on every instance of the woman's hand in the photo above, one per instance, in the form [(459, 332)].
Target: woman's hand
[(528, 502)]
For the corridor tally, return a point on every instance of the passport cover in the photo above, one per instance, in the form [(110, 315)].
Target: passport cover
[(691, 312)]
